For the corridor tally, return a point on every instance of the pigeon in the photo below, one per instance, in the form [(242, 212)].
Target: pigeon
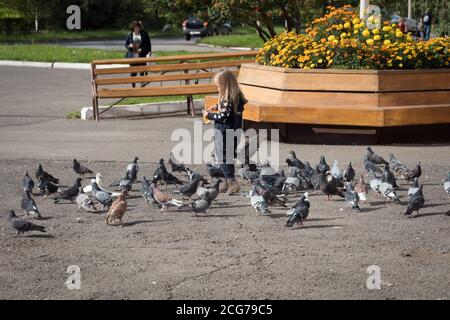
[(164, 199), (190, 188), (249, 175), (361, 189), (293, 172), (40, 173), (101, 186), (396, 165), (213, 191), (81, 170), (323, 167), (84, 202), (175, 166), (126, 184), (349, 173), (447, 183), (29, 206), (27, 183), (375, 158), (117, 210), (293, 161), (21, 226), (387, 190), (299, 212), (271, 194), (389, 177), (414, 173), (192, 175), (147, 191), (329, 186), (103, 197), (68, 194), (132, 170), (308, 171), (162, 174), (215, 171), (335, 171), (46, 187), (414, 188), (351, 196), (374, 182), (370, 166), (258, 202), (291, 184), (201, 205), (416, 202)]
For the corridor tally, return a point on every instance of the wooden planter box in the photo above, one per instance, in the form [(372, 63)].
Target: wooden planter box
[(345, 97)]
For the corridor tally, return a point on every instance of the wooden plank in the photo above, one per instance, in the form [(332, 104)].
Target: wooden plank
[(171, 67), (395, 99), (309, 98), (417, 115), (186, 57), (158, 78), (158, 91), (417, 81)]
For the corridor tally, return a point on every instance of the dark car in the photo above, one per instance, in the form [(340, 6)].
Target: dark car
[(195, 27)]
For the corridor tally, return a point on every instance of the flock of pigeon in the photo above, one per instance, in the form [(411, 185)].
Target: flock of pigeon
[(268, 188)]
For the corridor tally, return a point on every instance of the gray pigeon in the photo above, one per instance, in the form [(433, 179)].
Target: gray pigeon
[(374, 182), (335, 171), (447, 183), (416, 202), (387, 190), (81, 170), (201, 205), (258, 202), (396, 165), (349, 173), (375, 158), (27, 183), (414, 188), (22, 226), (351, 196), (293, 161), (69, 194), (190, 188), (299, 212), (132, 170), (370, 166), (249, 175), (213, 191), (84, 202), (147, 192), (29, 206), (414, 173), (323, 166), (389, 177), (102, 197), (125, 184)]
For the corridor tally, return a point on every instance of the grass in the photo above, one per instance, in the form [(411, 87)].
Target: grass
[(130, 101), (73, 115), (47, 53), (58, 36)]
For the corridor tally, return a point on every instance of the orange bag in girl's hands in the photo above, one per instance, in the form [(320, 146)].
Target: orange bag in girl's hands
[(213, 108)]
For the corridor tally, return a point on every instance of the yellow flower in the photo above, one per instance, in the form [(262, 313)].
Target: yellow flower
[(347, 25), (356, 32), (343, 35), (387, 42), (371, 19), (376, 31), (387, 28), (377, 38), (331, 38), (401, 65), (320, 61), (356, 21), (366, 33), (370, 42)]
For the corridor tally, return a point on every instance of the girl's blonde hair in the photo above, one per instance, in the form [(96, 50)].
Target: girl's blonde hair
[(229, 88)]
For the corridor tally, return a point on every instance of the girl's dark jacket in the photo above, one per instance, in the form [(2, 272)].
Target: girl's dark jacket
[(226, 117), (146, 45)]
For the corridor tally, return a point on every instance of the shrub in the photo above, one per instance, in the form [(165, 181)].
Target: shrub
[(340, 40)]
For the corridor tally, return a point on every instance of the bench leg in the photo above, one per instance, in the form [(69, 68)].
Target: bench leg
[(96, 115), (190, 106)]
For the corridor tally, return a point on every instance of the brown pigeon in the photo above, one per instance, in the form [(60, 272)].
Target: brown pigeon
[(117, 210), (361, 189), (164, 199)]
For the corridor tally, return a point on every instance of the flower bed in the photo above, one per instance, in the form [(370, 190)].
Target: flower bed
[(340, 40)]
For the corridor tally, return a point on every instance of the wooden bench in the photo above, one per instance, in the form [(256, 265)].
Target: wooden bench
[(111, 79)]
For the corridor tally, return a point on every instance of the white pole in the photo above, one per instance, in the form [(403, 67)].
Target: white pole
[(409, 9), (362, 8)]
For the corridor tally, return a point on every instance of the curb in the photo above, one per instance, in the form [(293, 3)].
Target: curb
[(139, 110), (230, 48), (54, 65)]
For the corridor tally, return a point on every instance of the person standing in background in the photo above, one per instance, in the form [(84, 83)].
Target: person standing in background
[(138, 45), (427, 21)]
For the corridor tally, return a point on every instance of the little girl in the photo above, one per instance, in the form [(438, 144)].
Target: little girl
[(227, 116)]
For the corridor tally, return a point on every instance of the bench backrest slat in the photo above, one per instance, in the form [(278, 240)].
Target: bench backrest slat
[(172, 67), (158, 91)]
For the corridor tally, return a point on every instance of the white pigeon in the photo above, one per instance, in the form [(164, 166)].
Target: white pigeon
[(387, 190), (291, 184), (447, 184), (101, 185), (258, 202), (414, 188), (335, 171), (374, 182)]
